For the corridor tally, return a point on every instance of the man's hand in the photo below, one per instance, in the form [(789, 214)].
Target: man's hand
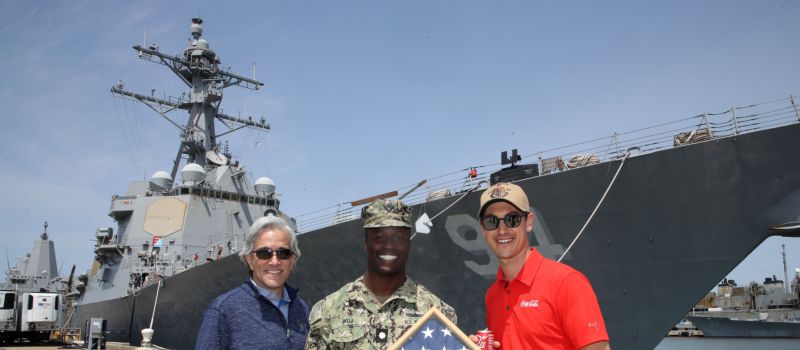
[(474, 339)]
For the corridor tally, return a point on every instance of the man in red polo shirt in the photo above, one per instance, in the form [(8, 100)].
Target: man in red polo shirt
[(535, 303)]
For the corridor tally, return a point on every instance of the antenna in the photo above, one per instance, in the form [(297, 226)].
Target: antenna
[(785, 275), (69, 281), (254, 70), (44, 234), (8, 263)]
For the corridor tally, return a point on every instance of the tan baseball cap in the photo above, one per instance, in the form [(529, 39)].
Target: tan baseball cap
[(502, 191)]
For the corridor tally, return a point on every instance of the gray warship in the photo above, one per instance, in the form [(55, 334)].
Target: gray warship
[(647, 202), (759, 310)]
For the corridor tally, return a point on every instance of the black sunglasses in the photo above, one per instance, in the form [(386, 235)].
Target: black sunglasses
[(491, 222), (267, 253)]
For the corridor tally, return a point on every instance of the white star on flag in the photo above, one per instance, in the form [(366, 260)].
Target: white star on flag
[(428, 332), (425, 335)]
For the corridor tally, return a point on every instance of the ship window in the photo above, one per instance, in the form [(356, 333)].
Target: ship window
[(8, 302), (30, 302), (271, 202), (56, 302)]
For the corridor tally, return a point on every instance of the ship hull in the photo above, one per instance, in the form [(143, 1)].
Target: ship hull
[(725, 327), (182, 299), (675, 223)]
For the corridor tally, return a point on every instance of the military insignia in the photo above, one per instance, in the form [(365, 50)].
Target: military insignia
[(381, 335), (499, 192)]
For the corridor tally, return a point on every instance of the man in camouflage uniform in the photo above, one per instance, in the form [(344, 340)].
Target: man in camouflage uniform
[(375, 310)]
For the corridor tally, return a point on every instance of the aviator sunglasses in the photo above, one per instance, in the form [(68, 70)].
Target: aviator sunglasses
[(491, 222), (267, 253)]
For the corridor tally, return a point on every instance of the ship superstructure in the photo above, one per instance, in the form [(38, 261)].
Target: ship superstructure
[(164, 227), (37, 270)]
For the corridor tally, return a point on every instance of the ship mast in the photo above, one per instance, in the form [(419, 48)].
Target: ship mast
[(198, 67)]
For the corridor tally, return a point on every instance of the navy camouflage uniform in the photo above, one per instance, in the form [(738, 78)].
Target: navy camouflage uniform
[(353, 318)]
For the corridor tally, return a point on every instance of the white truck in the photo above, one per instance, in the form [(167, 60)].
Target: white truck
[(29, 315), (8, 313)]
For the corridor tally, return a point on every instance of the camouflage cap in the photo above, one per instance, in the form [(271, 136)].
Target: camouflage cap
[(386, 213), (506, 192)]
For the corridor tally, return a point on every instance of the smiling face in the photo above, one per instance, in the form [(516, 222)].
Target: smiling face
[(508, 243), (271, 273), (387, 250)]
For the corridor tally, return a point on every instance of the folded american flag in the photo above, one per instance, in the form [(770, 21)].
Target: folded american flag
[(433, 331)]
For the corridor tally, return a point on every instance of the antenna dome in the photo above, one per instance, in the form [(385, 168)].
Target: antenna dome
[(197, 28), (265, 184), (202, 43), (160, 181), (193, 173)]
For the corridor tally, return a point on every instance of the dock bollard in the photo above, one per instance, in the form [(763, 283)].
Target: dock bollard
[(147, 336)]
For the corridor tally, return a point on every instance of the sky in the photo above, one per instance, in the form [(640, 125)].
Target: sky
[(363, 96)]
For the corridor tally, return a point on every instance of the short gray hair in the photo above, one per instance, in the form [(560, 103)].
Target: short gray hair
[(268, 223)]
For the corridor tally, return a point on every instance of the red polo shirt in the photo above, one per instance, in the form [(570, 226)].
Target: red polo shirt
[(548, 306)]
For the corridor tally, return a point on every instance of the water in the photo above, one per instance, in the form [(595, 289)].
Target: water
[(699, 343)]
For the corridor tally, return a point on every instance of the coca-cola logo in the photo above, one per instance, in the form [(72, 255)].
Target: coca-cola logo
[(529, 303), (485, 342)]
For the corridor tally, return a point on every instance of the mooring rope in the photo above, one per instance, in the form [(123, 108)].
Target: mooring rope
[(614, 179)]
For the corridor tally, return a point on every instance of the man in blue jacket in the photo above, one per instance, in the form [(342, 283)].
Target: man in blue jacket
[(264, 312)]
